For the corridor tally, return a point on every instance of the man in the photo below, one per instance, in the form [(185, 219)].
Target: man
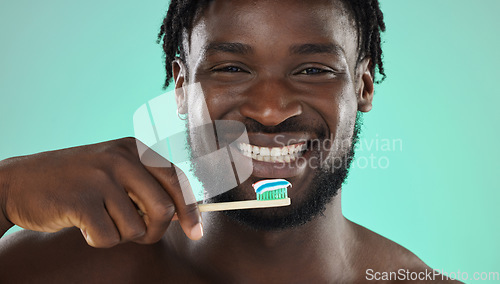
[(298, 70)]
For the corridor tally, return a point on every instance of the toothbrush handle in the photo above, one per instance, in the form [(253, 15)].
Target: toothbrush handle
[(247, 204), (236, 205)]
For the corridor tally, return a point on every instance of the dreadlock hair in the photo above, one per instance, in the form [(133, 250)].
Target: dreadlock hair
[(367, 15)]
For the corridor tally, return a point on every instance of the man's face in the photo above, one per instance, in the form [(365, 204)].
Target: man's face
[(286, 69)]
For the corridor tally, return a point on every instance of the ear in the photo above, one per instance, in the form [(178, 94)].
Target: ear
[(179, 74), (364, 85)]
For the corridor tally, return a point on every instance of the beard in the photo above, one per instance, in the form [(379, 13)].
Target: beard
[(324, 185)]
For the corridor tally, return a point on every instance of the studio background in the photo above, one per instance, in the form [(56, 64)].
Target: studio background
[(73, 73)]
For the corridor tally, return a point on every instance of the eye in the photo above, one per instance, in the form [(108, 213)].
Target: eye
[(229, 69), (230, 72), (314, 71)]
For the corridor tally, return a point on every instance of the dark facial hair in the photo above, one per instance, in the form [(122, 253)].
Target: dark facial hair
[(324, 187)]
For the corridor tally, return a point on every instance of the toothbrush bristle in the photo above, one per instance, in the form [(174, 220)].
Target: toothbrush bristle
[(271, 189)]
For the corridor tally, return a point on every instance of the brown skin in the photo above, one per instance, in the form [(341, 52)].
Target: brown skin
[(97, 194), (269, 86)]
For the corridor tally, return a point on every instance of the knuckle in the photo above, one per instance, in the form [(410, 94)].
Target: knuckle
[(134, 233), (155, 237), (149, 239), (116, 160), (173, 178), (130, 145), (130, 141), (119, 150), (106, 242), (162, 212), (120, 155), (100, 176), (191, 211)]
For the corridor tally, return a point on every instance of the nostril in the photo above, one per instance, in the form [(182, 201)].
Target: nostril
[(269, 115), (270, 112)]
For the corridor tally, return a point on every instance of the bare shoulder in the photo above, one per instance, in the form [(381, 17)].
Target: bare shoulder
[(65, 257), (382, 260)]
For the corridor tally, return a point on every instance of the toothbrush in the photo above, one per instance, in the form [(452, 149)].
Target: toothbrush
[(269, 193)]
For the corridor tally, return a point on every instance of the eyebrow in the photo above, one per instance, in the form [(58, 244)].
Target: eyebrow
[(301, 49), (314, 48), (229, 47)]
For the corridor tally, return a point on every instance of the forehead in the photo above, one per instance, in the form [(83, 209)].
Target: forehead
[(269, 25)]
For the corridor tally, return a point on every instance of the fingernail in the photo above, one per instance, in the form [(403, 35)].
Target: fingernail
[(87, 237), (197, 232), (90, 241), (84, 233)]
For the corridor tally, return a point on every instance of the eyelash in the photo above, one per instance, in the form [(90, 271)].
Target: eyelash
[(235, 69), (320, 71), (226, 69)]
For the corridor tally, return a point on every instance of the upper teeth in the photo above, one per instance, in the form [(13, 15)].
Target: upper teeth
[(272, 154)]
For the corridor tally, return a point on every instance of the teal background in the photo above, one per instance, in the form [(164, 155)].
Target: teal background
[(73, 73)]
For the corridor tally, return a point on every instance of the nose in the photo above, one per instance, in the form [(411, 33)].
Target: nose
[(270, 102)]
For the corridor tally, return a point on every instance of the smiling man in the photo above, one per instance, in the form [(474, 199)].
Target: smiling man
[(296, 74)]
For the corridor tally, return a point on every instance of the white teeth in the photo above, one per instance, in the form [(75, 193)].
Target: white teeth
[(264, 151), (284, 151), (275, 152), (256, 150), (247, 154)]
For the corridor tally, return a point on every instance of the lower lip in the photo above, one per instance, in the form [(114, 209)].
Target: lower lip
[(263, 169)]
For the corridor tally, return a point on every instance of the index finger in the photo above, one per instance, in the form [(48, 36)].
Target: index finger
[(176, 184)]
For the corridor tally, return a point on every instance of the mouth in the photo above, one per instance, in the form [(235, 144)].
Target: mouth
[(285, 154), (276, 155)]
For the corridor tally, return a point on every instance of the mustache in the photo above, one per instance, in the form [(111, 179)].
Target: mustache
[(291, 125)]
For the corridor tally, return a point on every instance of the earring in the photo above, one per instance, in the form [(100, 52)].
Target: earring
[(181, 117)]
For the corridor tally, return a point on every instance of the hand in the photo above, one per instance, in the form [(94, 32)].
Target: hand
[(99, 189)]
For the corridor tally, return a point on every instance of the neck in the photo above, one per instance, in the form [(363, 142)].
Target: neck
[(318, 250)]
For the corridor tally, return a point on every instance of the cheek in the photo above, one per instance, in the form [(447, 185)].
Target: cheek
[(337, 108), (345, 125), (222, 102), (336, 104), (347, 112), (198, 110)]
